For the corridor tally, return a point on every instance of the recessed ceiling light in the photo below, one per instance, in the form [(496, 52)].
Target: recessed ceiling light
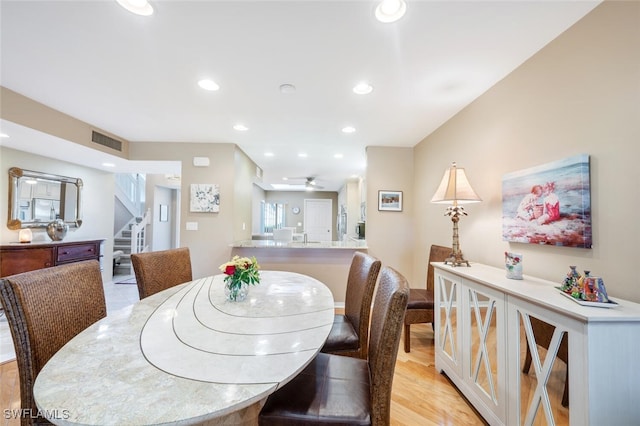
[(302, 155), (390, 10), (108, 164), (287, 88), (348, 129), (268, 154), (363, 88), (207, 84), (240, 127), (285, 178), (139, 7), (338, 155), (4, 135)]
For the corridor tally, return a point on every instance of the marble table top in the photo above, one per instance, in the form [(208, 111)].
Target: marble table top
[(188, 356)]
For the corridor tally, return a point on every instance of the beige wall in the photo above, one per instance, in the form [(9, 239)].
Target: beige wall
[(296, 198), (209, 245), (390, 235), (580, 94), (245, 176), (97, 201), (21, 110)]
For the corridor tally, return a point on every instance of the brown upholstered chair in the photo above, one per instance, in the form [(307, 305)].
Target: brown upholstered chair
[(335, 389), (45, 309), (159, 270), (420, 307), (543, 332), (349, 335)]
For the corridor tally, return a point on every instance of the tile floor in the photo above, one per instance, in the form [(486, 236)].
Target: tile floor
[(117, 296)]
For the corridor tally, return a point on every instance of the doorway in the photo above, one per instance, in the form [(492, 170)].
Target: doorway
[(318, 219), (166, 210)]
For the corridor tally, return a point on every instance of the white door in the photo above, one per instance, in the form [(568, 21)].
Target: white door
[(318, 220)]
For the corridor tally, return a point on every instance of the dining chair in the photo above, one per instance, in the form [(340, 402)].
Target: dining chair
[(159, 270), (336, 389), (349, 334), (45, 309), (543, 332), (420, 306)]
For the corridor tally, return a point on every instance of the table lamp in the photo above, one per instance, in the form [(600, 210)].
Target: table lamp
[(455, 189)]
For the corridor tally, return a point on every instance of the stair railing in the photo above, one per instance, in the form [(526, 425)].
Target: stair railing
[(130, 188), (138, 234)]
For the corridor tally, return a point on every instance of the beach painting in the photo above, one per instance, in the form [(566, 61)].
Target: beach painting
[(549, 204)]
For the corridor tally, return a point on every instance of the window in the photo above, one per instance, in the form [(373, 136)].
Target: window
[(273, 216)]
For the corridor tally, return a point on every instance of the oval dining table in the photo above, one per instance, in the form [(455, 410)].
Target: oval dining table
[(186, 355)]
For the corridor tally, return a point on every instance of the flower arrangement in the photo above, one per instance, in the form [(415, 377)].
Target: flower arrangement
[(239, 273)]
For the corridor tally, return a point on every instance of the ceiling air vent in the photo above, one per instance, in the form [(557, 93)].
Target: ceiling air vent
[(105, 140)]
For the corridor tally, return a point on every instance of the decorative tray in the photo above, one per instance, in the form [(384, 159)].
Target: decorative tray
[(609, 304)]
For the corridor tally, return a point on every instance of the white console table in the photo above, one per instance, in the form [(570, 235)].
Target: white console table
[(482, 320)]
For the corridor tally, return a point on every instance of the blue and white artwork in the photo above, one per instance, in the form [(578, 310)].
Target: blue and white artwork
[(549, 204), (204, 198)]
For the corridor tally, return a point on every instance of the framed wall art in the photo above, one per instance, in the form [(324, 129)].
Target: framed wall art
[(164, 213), (549, 204), (204, 198), (390, 201)]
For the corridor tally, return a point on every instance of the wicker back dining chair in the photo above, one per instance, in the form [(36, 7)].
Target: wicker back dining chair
[(45, 309), (335, 389), (159, 270), (420, 307), (349, 335)]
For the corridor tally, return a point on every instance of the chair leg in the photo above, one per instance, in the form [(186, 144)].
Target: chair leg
[(527, 361), (407, 338)]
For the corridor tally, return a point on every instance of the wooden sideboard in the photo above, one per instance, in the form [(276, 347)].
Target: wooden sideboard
[(483, 324), (17, 258)]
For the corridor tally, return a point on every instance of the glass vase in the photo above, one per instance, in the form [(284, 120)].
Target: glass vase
[(236, 291)]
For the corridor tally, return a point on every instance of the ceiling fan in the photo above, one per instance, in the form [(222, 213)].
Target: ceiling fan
[(310, 183)]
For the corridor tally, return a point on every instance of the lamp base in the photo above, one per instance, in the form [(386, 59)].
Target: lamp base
[(456, 259)]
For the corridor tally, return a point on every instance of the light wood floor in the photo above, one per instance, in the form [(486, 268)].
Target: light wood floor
[(421, 396)]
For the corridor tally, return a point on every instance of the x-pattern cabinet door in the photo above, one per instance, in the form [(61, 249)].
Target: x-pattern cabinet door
[(447, 321), (484, 359)]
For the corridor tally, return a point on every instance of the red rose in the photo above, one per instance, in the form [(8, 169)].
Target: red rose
[(230, 270)]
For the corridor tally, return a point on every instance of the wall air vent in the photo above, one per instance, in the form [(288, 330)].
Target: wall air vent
[(105, 140)]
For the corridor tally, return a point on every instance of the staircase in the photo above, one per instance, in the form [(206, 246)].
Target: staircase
[(132, 236), (122, 243), (132, 239)]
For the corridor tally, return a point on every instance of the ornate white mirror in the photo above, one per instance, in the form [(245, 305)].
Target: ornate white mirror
[(36, 199)]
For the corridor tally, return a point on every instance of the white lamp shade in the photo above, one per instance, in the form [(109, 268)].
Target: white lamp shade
[(455, 188)]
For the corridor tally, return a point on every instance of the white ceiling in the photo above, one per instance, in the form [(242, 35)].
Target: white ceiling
[(136, 77)]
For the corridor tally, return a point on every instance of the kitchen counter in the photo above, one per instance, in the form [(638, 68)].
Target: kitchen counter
[(350, 244), (327, 261)]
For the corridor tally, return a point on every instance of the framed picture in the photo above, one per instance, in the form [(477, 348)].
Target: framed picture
[(390, 201), (549, 204), (164, 213), (204, 198)]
